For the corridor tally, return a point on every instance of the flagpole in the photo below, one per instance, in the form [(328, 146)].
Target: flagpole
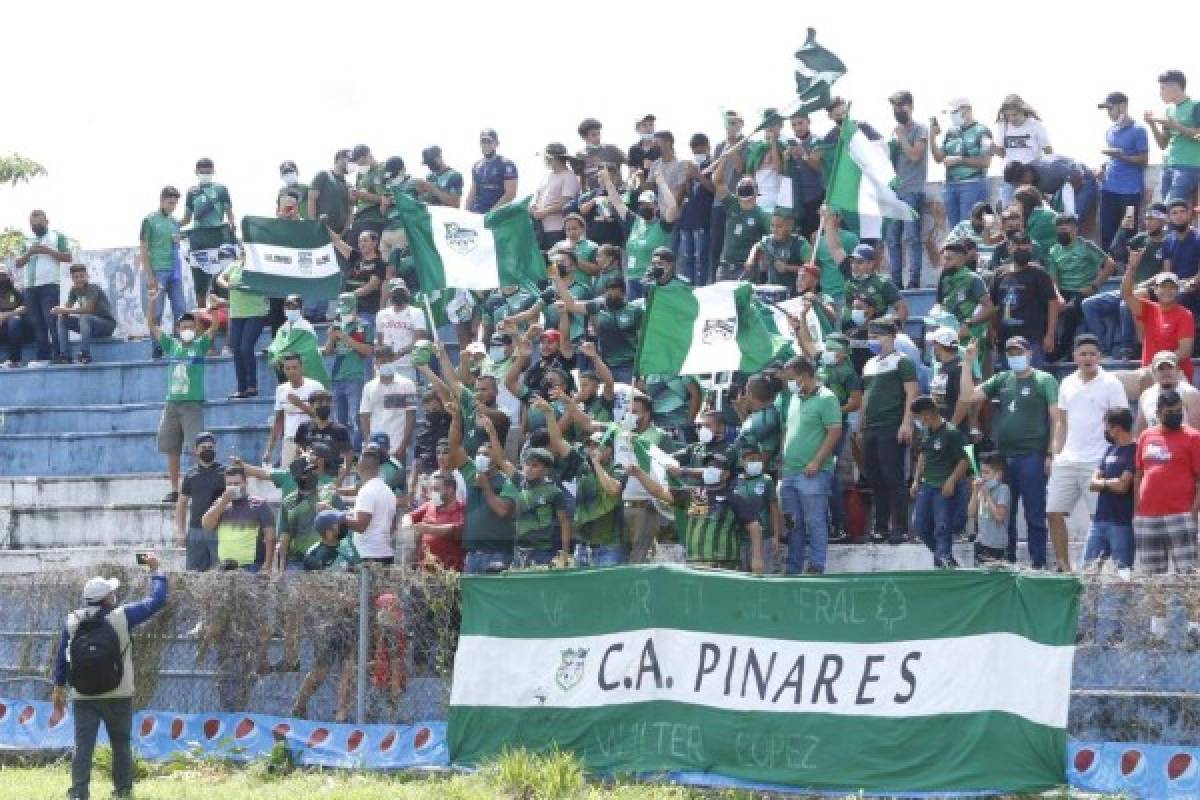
[(837, 159), (432, 320)]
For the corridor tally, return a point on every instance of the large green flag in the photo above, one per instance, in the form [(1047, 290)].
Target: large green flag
[(861, 181), (455, 249), (889, 683), (715, 328), (289, 256)]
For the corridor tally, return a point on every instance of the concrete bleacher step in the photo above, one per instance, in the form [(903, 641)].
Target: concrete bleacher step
[(111, 349), (144, 525), (126, 417), (112, 452), (99, 490)]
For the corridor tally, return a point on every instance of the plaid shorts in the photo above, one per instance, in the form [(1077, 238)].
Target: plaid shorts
[(1158, 538)]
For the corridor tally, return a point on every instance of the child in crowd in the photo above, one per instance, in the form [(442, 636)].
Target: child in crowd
[(990, 502)]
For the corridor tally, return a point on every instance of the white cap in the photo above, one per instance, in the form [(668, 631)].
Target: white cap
[(96, 589), (476, 347), (946, 337), (956, 103), (647, 197)]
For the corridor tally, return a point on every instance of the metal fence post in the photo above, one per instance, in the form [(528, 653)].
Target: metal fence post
[(364, 608)]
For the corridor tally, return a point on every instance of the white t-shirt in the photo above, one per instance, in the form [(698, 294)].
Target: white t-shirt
[(399, 328), (1083, 406), (375, 498), (1148, 403), (389, 405), (1024, 143), (292, 416)]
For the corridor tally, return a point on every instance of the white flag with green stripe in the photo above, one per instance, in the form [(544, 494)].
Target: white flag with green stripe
[(861, 182), (883, 682), (289, 256)]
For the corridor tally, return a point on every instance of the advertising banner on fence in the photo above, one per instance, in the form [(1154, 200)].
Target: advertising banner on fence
[(887, 682)]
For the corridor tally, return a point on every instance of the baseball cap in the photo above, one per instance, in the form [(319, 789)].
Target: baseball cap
[(1016, 342), (327, 519), (539, 454), (647, 197), (1164, 357), (733, 115), (552, 335), (955, 247), (293, 300), (1166, 277), (489, 133), (205, 436), (882, 327), (96, 589), (956, 103), (946, 337), (359, 151), (382, 439), (863, 252), (430, 154), (646, 118), (901, 98), (1112, 99), (719, 459), (557, 149), (665, 253), (1156, 211)]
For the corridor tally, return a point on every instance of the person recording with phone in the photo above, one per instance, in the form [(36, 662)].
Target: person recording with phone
[(243, 522)]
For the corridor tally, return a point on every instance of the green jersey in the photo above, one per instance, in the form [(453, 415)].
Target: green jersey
[(833, 282), (1041, 229), (286, 484), (743, 229), (1075, 266), (644, 238), (841, 379), (243, 304), (669, 395), (616, 330), (875, 289), (884, 378), (1152, 255), (370, 180), (485, 529), (185, 367), (395, 475), (208, 205), (597, 513), (809, 419), (298, 512), (792, 250), (298, 189), (160, 234), (500, 305), (763, 426), (960, 292), (970, 142), (943, 450), (1025, 403), (448, 180), (712, 518), (348, 365), (537, 515), (581, 290), (1183, 151), (758, 493)]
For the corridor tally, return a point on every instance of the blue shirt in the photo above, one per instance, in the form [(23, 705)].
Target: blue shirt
[(1183, 251), (489, 175), (697, 208), (808, 184), (135, 614), (1121, 177), (1118, 508)]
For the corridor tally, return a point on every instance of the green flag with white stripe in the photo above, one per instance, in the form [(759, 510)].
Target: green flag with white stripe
[(289, 256), (861, 181), (883, 682)]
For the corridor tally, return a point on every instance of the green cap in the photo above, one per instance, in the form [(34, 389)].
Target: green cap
[(539, 454), (347, 303), (839, 342), (422, 352)]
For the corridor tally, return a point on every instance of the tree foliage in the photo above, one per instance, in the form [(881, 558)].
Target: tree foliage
[(16, 169)]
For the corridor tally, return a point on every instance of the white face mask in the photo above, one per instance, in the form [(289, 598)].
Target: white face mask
[(205, 178), (497, 354), (292, 314), (829, 358), (956, 119), (482, 463), (754, 468), (387, 370), (794, 386), (435, 498), (351, 168), (712, 476), (187, 335), (345, 316), (290, 178), (704, 434)]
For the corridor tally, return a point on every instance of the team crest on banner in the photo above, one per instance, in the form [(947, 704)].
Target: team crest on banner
[(570, 671), (304, 262), (461, 240), (719, 330)]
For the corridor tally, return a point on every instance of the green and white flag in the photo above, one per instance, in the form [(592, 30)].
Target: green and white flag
[(861, 182), (889, 683), (289, 256), (455, 249), (715, 328)]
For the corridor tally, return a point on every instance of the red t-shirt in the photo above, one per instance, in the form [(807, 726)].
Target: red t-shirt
[(1162, 330), (1170, 463), (446, 549)]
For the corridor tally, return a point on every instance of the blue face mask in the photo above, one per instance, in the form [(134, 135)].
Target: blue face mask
[(1018, 363), (874, 346), (858, 316)]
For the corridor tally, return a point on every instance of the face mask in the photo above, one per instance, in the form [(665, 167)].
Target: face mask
[(754, 468), (712, 476), (345, 316), (482, 463), (435, 498), (399, 297), (497, 354), (1018, 363), (387, 370), (920, 426), (956, 119), (701, 159), (794, 386), (1173, 420), (290, 178), (187, 335), (1022, 258), (39, 230), (646, 214), (292, 314), (322, 412), (351, 168), (875, 346), (205, 179), (307, 482), (613, 303), (991, 483), (858, 316), (902, 117), (1064, 238), (206, 456), (745, 192), (1180, 226), (397, 180), (705, 435), (829, 358), (239, 492)]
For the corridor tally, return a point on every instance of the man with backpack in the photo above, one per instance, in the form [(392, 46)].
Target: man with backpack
[(93, 657)]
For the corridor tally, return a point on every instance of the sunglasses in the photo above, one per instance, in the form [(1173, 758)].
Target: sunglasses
[(485, 140)]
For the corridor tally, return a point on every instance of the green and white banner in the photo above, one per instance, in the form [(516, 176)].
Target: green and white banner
[(862, 182), (289, 256), (884, 682)]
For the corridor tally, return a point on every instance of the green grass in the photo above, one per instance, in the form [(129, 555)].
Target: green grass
[(517, 776)]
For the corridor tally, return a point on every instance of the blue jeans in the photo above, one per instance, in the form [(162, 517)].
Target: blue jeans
[(170, 287), (897, 233), (1179, 183), (13, 333), (524, 557), (1110, 539), (39, 300), (1026, 479), (479, 562), (716, 237), (693, 256), (243, 338), (935, 518), (347, 397), (87, 326), (1086, 199), (806, 501), (608, 555), (961, 196), (1108, 317), (837, 503)]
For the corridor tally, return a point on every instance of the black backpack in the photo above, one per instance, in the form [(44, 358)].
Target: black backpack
[(96, 660)]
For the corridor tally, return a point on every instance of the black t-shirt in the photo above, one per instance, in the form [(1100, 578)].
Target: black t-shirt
[(203, 485), (431, 429), (358, 274), (1021, 297), (1110, 507), (638, 155), (537, 373), (335, 434), (11, 298), (944, 386)]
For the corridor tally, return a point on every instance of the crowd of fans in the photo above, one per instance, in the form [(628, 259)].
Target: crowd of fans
[(528, 439)]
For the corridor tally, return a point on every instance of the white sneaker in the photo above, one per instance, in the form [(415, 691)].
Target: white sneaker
[(10, 365), (196, 630), (35, 364)]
